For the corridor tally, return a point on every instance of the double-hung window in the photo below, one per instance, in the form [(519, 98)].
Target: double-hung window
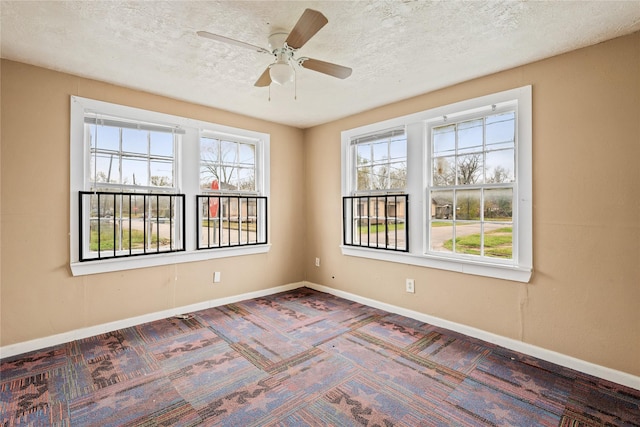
[(472, 185), (375, 211), (151, 189), (131, 205), (468, 174), (232, 211)]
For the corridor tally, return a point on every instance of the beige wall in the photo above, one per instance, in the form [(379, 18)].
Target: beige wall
[(39, 296), (584, 297)]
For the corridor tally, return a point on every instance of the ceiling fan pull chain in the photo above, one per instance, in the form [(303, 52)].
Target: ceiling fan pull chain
[(269, 92)]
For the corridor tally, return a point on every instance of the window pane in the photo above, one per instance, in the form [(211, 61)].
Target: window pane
[(207, 176), (209, 150), (161, 174), (441, 205), (134, 141), (398, 148), (444, 171), (501, 130), (247, 154), (444, 140), (104, 168), (107, 137), (470, 136), (498, 240), (229, 152), (398, 175), (161, 144), (500, 166), (380, 177), (467, 205), (364, 178), (441, 236), (228, 178), (441, 225), (468, 238), (246, 179), (470, 169), (134, 172), (498, 204), (380, 151), (363, 154)]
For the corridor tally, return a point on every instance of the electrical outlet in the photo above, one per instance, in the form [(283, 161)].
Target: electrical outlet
[(317, 262), (410, 286), (216, 277)]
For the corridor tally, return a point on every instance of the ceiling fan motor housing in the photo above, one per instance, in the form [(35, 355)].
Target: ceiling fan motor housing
[(276, 41)]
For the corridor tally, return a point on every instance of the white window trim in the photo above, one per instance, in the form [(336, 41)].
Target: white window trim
[(188, 183), (417, 179)]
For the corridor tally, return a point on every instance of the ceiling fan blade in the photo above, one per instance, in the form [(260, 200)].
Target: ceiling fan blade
[(233, 42), (264, 79), (334, 70), (309, 23)]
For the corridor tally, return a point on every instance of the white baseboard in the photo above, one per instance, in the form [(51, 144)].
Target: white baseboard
[(40, 343), (589, 368)]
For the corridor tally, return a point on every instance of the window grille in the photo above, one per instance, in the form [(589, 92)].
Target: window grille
[(473, 186), (226, 221), (376, 221), (124, 224)]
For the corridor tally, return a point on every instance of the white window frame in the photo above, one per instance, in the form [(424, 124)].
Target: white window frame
[(418, 178), (259, 176), (187, 182)]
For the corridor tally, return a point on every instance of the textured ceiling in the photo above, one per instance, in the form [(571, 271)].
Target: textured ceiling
[(397, 49)]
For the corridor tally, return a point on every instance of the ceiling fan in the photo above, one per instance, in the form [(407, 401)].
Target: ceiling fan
[(284, 47)]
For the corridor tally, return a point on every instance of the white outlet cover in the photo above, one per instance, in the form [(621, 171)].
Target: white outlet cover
[(410, 286)]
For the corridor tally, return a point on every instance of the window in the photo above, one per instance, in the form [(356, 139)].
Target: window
[(231, 213), (137, 197), (375, 211), (133, 206), (467, 169), (472, 185)]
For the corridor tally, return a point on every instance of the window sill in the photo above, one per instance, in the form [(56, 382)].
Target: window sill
[(506, 272), (120, 264)]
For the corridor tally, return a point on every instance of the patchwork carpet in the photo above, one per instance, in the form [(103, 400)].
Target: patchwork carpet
[(299, 358)]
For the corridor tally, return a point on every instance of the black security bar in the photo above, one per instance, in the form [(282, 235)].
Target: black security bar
[(230, 220), (376, 221), (123, 224)]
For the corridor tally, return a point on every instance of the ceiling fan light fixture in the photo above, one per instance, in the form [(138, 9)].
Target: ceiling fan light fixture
[(281, 73)]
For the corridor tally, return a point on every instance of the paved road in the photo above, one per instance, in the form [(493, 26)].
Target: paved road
[(439, 235)]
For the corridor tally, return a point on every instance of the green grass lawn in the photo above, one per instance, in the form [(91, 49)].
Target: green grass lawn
[(106, 239), (497, 243)]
